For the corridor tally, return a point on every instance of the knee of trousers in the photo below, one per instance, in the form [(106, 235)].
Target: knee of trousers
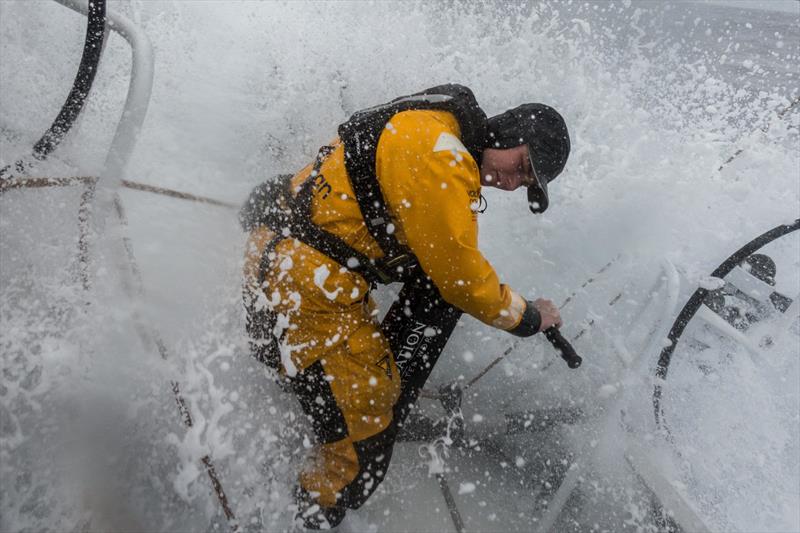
[(351, 390), (349, 396), (373, 455), (346, 473)]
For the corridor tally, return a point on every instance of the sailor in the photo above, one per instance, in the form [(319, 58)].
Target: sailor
[(394, 198)]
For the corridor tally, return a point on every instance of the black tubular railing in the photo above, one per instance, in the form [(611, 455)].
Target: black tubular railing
[(696, 301), (90, 59)]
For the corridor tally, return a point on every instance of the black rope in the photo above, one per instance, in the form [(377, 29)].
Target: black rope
[(696, 300), (92, 50), (455, 515)]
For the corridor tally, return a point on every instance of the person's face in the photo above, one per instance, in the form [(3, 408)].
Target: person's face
[(506, 169)]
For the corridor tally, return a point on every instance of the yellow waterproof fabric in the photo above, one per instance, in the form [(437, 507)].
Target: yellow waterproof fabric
[(432, 188), (325, 314)]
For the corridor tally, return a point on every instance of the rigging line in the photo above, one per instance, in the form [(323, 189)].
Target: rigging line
[(92, 51), (186, 416), (455, 515), (788, 108), (150, 334), (516, 343), (84, 219), (38, 183), (153, 334), (177, 194), (589, 324), (34, 183), (147, 334), (780, 113), (590, 280), (491, 365)]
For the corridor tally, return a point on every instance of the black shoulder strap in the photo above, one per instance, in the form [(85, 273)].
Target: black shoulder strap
[(327, 243), (287, 212), (374, 210), (360, 137), (303, 229)]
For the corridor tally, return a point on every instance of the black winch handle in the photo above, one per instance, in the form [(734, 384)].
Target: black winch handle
[(564, 348)]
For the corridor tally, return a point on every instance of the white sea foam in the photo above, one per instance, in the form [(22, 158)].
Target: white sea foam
[(657, 97)]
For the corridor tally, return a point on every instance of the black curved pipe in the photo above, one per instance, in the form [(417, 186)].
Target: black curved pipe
[(696, 300), (92, 50)]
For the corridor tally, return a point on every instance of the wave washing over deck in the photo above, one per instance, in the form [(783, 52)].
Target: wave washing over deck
[(684, 129)]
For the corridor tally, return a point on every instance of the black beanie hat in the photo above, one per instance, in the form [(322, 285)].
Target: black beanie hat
[(539, 126), (543, 129)]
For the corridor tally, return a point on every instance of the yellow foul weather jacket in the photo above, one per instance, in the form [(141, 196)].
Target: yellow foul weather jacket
[(325, 318), (431, 185)]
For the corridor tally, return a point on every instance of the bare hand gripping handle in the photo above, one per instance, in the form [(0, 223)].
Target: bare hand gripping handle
[(563, 347)]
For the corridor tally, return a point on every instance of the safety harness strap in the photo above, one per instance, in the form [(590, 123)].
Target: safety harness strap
[(373, 207), (304, 230), (360, 136), (385, 270), (276, 205), (289, 215)]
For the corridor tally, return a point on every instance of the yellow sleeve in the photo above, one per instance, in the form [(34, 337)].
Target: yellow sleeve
[(433, 196)]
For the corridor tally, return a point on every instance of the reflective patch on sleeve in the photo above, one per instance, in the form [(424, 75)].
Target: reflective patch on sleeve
[(511, 315), (447, 142)]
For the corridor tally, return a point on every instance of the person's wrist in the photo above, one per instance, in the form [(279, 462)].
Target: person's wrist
[(530, 322)]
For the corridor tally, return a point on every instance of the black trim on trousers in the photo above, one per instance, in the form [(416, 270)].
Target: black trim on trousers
[(260, 320), (327, 517), (374, 455), (417, 326), (319, 404)]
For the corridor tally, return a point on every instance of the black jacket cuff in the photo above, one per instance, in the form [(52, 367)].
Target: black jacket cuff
[(529, 325)]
